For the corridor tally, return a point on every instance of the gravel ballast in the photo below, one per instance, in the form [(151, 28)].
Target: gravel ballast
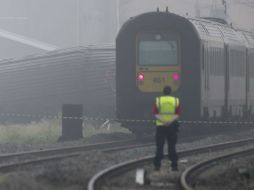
[(75, 173)]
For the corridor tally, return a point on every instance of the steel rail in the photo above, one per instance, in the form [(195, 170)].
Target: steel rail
[(189, 174), (97, 180), (73, 149), (50, 155)]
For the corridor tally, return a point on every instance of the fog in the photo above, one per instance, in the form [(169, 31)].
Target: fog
[(68, 23), (240, 12)]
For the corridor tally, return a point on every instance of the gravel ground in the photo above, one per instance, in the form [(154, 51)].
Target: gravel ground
[(73, 174), (236, 174), (13, 148), (166, 179)]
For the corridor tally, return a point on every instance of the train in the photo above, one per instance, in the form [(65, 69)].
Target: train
[(36, 86), (208, 63)]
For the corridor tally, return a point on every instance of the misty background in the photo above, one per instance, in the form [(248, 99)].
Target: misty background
[(37, 26)]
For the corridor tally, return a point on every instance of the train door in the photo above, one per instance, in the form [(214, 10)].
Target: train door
[(251, 82), (226, 108), (203, 81), (247, 74), (206, 79)]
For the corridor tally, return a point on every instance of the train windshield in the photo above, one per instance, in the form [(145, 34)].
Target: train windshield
[(158, 51)]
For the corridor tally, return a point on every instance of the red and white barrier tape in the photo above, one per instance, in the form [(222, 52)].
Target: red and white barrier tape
[(87, 118)]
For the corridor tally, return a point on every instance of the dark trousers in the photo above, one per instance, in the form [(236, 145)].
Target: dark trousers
[(170, 134)]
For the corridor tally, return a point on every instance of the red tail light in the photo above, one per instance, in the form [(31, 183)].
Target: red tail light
[(175, 76), (141, 76)]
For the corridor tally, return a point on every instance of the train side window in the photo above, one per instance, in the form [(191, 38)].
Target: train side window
[(206, 66), (242, 65), (239, 65), (252, 64), (213, 62), (219, 61), (235, 63), (222, 70), (243, 61), (203, 57), (216, 61), (240, 60), (236, 60), (231, 62), (208, 60)]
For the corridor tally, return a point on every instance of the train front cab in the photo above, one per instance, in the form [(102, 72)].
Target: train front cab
[(139, 77)]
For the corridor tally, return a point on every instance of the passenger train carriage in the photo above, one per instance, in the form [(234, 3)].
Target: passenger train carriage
[(37, 86), (208, 64)]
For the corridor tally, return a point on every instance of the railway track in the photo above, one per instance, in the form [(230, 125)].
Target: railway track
[(10, 162), (98, 181), (189, 176)]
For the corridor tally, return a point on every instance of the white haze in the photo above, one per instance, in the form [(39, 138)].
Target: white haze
[(68, 23)]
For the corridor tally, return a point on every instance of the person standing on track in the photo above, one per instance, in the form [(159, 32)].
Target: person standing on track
[(166, 111)]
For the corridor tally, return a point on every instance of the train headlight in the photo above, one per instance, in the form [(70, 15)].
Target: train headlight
[(141, 76), (175, 76)]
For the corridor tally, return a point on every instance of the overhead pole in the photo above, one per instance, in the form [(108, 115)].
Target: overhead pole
[(78, 22), (197, 9), (117, 15), (224, 3)]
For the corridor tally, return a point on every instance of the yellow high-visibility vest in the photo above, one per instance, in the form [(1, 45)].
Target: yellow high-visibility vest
[(166, 106)]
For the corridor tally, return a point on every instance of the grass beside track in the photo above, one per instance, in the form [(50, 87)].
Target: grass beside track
[(49, 131)]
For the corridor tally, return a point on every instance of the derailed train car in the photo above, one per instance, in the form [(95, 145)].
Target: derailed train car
[(208, 64), (40, 84)]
